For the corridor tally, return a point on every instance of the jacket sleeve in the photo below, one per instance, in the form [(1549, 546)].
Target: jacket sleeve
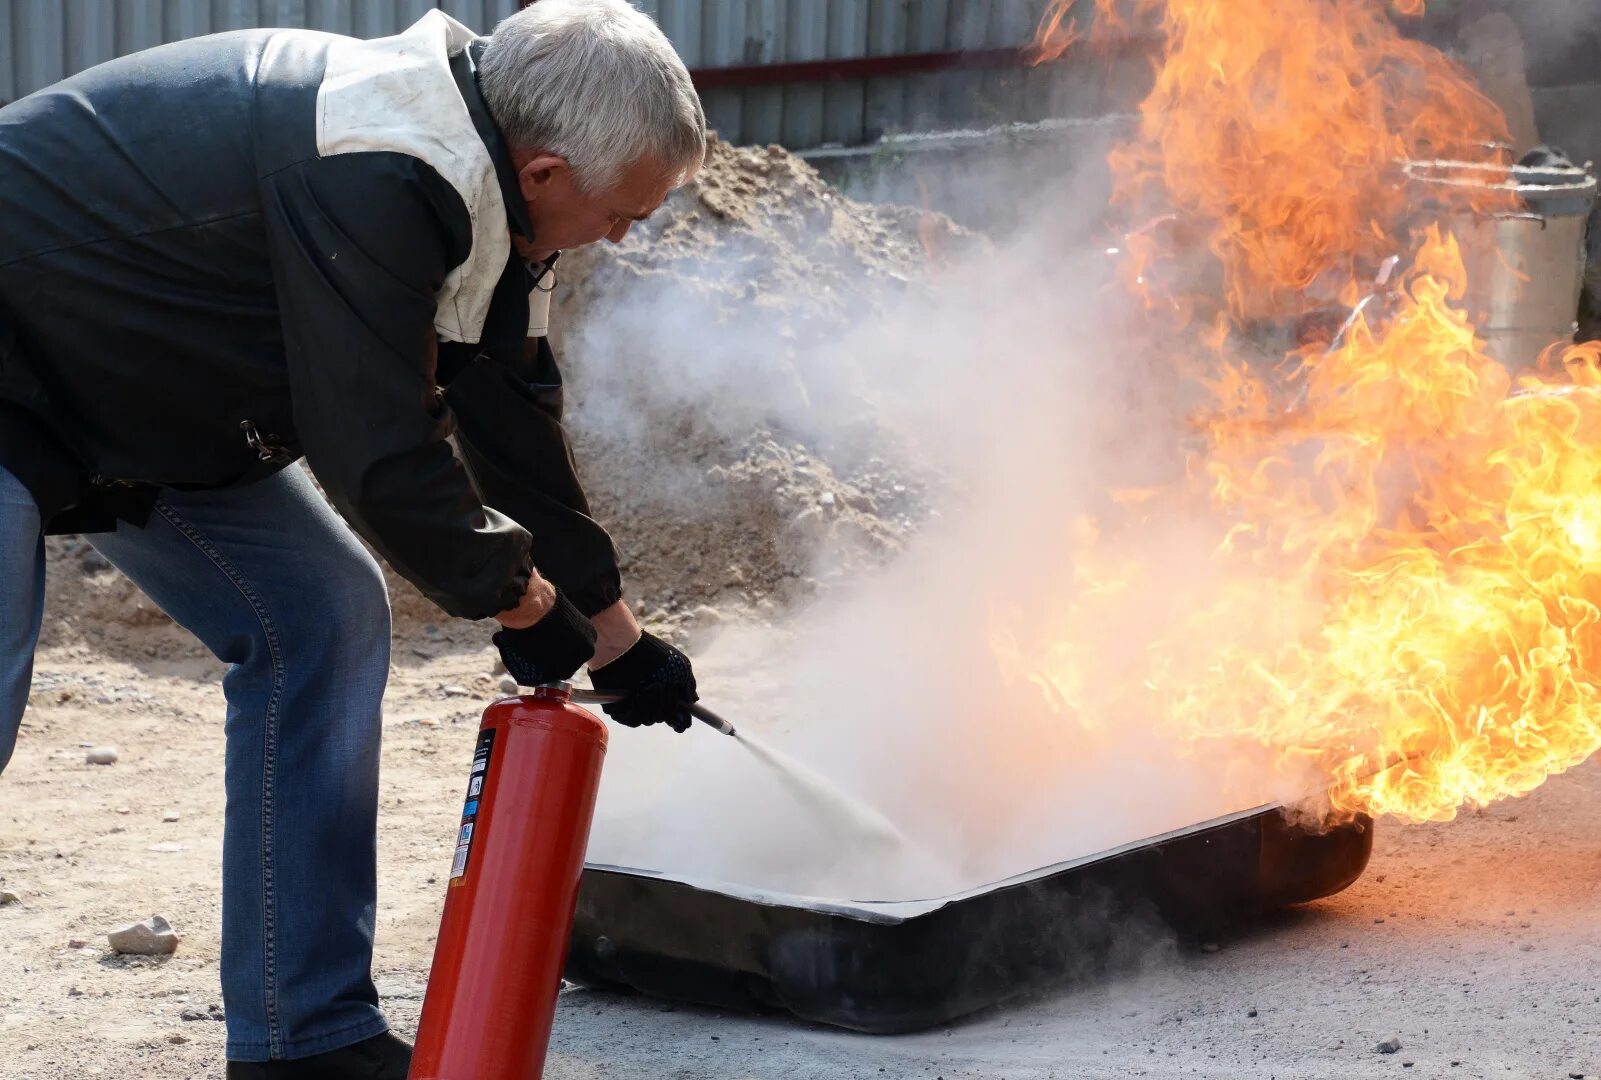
[(511, 435), (359, 245)]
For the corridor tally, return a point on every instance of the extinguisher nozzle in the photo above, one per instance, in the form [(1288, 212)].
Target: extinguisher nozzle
[(711, 719)]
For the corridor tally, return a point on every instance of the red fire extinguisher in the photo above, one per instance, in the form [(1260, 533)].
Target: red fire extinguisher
[(513, 888)]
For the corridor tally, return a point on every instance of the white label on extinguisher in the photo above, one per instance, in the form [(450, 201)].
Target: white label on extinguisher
[(475, 794), (464, 843)]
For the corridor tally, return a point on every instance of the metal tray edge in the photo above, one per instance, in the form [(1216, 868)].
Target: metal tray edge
[(894, 911)]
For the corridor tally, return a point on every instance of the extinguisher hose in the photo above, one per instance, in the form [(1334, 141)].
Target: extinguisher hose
[(698, 711)]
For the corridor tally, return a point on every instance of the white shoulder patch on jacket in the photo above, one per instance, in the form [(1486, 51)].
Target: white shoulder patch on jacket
[(398, 94), (539, 312)]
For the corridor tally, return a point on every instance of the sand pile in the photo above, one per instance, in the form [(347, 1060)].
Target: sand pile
[(758, 228), (726, 447)]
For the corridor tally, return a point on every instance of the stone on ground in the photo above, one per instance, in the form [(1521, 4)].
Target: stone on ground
[(153, 937)]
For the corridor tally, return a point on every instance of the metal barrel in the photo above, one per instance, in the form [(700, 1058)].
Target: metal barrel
[(1525, 261)]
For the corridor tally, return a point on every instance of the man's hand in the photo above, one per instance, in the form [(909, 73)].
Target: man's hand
[(546, 638), (657, 681), (538, 598), (616, 631)]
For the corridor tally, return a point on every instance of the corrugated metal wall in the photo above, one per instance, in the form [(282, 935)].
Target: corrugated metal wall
[(728, 33), (44, 40)]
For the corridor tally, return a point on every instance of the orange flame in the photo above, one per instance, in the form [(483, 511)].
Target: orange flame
[(1406, 597), (1440, 543), (1056, 33), (1276, 130)]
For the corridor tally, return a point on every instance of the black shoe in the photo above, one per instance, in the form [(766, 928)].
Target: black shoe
[(382, 1057)]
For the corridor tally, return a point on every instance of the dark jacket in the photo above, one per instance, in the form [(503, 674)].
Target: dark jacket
[(222, 254)]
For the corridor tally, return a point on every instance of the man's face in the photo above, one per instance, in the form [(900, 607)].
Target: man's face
[(565, 217)]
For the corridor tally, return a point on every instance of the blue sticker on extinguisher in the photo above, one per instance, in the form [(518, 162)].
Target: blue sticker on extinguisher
[(469, 812)]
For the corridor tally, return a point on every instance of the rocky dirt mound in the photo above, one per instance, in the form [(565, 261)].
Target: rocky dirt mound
[(758, 226), (718, 433)]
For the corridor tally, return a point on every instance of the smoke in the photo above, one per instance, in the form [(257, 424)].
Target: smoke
[(1550, 47), (1009, 377), (1556, 33)]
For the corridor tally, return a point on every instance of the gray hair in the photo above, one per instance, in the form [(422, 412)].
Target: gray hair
[(596, 82)]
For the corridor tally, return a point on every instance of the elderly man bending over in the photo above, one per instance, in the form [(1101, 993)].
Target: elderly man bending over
[(224, 254)]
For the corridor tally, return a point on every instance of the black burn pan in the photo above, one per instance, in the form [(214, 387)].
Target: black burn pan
[(888, 967)]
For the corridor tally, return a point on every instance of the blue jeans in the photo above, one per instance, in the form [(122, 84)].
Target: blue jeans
[(276, 586)]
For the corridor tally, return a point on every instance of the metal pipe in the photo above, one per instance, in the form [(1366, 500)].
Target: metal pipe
[(863, 67)]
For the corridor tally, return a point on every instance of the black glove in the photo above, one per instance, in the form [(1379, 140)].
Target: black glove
[(658, 681), (551, 649)]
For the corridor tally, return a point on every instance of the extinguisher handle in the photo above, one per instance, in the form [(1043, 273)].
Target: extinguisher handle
[(698, 711)]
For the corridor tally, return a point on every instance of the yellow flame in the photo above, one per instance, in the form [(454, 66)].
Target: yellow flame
[(1406, 567)]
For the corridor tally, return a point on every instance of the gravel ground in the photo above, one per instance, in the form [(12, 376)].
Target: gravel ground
[(1475, 943)]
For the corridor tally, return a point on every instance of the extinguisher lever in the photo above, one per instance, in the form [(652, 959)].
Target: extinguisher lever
[(698, 711)]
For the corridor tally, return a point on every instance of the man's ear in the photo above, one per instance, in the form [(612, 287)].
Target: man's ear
[(539, 172)]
